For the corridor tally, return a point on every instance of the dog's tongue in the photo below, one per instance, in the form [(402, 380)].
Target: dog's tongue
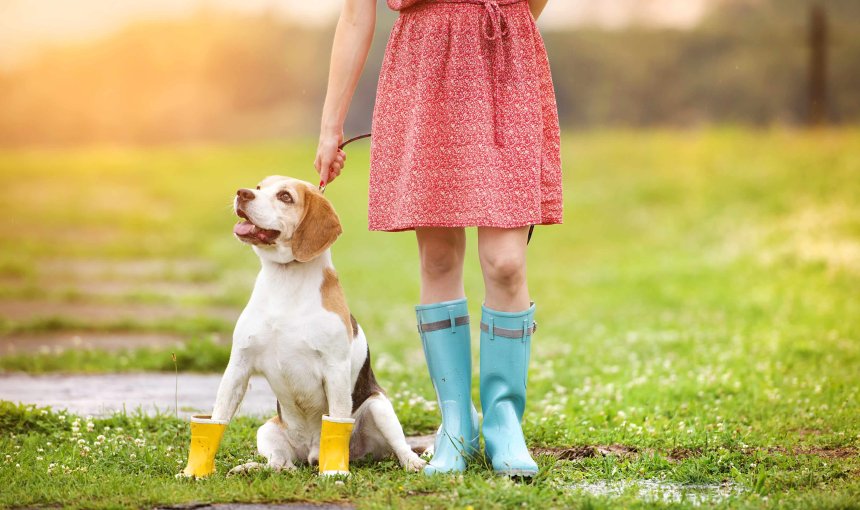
[(243, 228)]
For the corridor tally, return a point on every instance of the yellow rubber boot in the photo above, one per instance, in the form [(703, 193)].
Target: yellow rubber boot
[(334, 445), (206, 435)]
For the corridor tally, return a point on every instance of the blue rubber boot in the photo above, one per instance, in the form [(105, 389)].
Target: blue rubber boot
[(505, 345), (444, 330)]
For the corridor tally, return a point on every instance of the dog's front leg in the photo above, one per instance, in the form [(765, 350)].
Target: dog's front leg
[(231, 391), (338, 392), (207, 431), (337, 424)]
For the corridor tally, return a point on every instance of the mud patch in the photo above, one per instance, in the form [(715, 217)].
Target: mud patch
[(827, 452), (587, 451), (679, 454)]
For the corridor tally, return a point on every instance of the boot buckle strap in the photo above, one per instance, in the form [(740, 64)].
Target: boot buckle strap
[(509, 333), (453, 322)]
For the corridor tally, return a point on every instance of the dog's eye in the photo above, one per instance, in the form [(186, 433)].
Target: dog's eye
[(284, 196)]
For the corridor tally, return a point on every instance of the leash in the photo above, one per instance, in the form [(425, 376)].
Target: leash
[(340, 147), (367, 135)]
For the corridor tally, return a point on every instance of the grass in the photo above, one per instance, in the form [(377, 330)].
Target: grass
[(195, 355), (699, 307)]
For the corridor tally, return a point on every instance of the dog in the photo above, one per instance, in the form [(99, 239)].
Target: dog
[(298, 332)]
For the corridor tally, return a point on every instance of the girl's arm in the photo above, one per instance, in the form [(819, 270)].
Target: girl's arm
[(536, 6), (352, 39)]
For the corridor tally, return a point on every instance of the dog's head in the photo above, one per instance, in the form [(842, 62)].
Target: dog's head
[(285, 220)]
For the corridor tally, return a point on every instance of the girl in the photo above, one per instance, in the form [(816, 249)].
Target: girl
[(465, 134)]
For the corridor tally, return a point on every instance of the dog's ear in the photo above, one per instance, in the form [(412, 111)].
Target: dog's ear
[(318, 228)]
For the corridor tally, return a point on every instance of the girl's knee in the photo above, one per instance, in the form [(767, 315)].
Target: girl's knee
[(441, 256), (440, 262), (504, 268)]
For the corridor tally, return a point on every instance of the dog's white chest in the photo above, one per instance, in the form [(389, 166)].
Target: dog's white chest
[(291, 339)]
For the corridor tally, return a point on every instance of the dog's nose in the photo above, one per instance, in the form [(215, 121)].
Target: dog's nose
[(245, 195)]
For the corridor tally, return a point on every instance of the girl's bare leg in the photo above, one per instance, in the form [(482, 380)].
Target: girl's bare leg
[(502, 252), (441, 251)]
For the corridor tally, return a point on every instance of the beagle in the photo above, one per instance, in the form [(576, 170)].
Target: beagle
[(298, 332)]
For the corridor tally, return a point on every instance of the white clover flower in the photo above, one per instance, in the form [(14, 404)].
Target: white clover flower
[(132, 456), (38, 458)]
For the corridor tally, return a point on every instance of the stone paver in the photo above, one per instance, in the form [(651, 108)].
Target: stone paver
[(101, 395)]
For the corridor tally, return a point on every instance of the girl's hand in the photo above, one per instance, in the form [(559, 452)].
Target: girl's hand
[(330, 160)]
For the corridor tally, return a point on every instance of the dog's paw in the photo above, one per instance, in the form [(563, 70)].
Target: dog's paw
[(275, 465), (414, 463), (245, 468)]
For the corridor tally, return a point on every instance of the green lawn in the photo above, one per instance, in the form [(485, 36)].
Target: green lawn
[(699, 309)]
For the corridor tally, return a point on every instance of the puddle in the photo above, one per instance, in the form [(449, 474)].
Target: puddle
[(656, 491)]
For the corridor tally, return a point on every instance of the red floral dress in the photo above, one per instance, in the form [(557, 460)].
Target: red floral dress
[(465, 126)]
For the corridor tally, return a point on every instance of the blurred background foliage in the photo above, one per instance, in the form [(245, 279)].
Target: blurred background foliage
[(221, 76)]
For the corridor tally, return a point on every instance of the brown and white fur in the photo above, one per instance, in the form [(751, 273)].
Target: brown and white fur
[(297, 331)]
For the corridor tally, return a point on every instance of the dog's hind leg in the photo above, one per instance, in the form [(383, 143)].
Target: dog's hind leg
[(383, 424), (272, 443)]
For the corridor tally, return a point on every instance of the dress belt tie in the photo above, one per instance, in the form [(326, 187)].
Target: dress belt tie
[(494, 19), (494, 28)]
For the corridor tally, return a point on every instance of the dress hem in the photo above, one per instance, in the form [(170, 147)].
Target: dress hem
[(454, 224)]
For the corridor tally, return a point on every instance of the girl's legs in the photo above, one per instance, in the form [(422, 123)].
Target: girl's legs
[(443, 324), (502, 252), (441, 252), (507, 325)]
